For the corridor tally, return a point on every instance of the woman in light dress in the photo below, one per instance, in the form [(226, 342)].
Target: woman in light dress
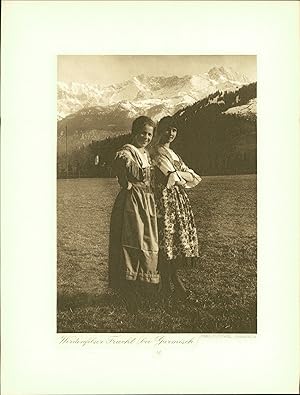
[(177, 232)]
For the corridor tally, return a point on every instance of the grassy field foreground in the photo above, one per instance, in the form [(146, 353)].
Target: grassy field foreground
[(222, 283)]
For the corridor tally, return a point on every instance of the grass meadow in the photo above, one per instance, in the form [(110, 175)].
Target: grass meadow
[(222, 283)]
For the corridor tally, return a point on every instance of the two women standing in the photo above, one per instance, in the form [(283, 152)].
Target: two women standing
[(152, 215)]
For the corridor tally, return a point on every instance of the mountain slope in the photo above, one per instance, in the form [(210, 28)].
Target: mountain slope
[(218, 133)]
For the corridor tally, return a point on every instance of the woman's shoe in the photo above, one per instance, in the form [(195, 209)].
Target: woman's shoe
[(179, 287)]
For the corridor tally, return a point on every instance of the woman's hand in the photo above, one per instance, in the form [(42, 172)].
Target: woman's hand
[(187, 176), (182, 182)]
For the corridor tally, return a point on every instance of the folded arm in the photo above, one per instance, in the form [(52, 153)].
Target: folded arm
[(192, 179), (186, 175)]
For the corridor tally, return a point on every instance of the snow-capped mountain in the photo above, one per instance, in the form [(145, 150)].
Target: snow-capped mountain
[(153, 96), (227, 74)]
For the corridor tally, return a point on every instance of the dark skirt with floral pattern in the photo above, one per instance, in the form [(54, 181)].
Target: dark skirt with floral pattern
[(176, 225)]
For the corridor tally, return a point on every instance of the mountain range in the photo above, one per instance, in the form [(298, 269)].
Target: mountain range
[(92, 112), (144, 92)]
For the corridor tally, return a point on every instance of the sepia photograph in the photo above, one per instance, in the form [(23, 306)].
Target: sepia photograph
[(150, 197), (156, 194)]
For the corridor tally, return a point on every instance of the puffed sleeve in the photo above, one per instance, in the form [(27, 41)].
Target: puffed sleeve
[(127, 170)]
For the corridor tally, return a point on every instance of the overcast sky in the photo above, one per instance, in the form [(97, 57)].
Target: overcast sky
[(110, 69)]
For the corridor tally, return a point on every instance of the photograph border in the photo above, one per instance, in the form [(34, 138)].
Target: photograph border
[(30, 348)]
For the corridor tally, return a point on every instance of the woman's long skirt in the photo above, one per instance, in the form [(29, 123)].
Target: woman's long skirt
[(133, 242), (176, 224)]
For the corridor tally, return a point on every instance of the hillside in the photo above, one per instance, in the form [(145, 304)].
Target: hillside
[(218, 134)]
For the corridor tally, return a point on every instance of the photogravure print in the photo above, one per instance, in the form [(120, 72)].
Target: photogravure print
[(203, 110)]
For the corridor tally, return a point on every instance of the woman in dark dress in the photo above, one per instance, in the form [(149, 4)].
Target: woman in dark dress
[(133, 244)]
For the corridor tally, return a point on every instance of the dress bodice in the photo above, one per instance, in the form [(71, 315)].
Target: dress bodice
[(132, 167)]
